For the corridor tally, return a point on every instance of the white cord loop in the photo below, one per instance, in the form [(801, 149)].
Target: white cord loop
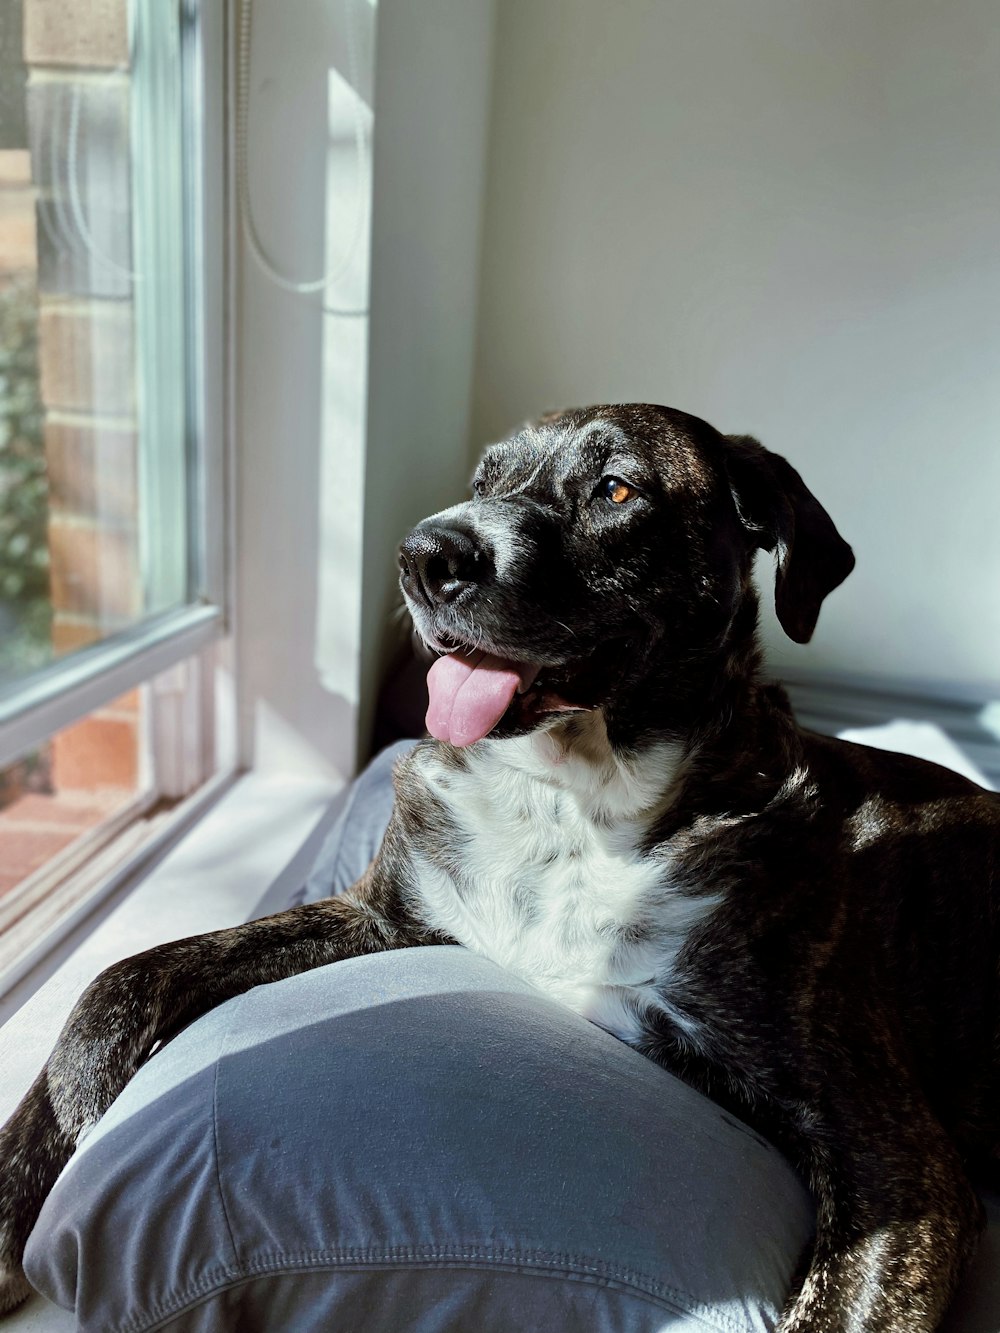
[(243, 63)]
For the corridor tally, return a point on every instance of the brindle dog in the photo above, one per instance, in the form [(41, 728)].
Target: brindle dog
[(619, 808)]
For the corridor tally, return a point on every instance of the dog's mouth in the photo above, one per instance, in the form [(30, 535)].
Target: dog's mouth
[(473, 693)]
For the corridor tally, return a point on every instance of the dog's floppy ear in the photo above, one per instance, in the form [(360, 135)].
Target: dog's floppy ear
[(782, 515)]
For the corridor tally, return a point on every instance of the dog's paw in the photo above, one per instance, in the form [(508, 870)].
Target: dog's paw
[(14, 1289)]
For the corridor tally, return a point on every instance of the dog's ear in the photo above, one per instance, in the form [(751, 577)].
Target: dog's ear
[(782, 515)]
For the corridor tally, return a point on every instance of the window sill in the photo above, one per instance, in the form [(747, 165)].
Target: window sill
[(214, 877)]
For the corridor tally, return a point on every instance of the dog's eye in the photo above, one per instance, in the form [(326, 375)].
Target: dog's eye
[(479, 486), (615, 490)]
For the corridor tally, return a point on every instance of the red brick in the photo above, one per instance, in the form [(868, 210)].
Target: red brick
[(70, 634), (69, 812), (92, 467), (22, 851), (36, 827), (95, 753), (93, 572), (15, 167), (18, 251), (87, 357), (66, 32)]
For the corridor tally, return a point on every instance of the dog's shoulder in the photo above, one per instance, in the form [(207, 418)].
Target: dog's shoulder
[(900, 792)]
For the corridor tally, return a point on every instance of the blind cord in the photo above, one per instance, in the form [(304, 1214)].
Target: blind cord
[(243, 64)]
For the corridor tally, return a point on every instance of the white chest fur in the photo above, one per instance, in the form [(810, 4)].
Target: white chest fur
[(549, 876)]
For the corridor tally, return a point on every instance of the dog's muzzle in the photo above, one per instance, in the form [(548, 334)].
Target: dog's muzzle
[(443, 565), (437, 564)]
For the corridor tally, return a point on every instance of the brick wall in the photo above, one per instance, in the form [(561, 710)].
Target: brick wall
[(78, 133), (17, 212)]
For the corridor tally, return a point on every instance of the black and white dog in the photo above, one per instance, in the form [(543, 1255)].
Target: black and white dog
[(617, 808)]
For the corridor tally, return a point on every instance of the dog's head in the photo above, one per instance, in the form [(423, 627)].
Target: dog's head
[(600, 545)]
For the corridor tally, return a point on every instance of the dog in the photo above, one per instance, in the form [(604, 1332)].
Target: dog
[(617, 806)]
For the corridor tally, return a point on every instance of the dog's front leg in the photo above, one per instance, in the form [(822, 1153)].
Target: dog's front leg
[(147, 999), (897, 1222)]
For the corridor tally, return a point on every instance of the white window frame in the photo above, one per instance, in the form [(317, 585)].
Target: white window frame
[(188, 640), (65, 691)]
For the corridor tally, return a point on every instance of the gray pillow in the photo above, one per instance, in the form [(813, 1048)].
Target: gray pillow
[(416, 1141)]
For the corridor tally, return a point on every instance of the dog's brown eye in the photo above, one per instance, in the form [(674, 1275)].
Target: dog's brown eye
[(615, 490), (479, 486)]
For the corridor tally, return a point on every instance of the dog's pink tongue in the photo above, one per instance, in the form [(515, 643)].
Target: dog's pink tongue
[(469, 695)]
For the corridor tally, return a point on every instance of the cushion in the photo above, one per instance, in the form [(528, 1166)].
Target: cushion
[(415, 1141)]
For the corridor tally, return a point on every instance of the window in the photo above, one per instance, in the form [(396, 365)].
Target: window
[(112, 522)]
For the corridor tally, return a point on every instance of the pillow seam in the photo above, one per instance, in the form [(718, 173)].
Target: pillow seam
[(546, 1264), (215, 1138)]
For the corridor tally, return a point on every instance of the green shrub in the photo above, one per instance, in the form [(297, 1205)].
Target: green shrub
[(25, 608)]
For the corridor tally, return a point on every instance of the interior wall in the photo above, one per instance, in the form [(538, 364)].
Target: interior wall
[(351, 426), (299, 147), (432, 95), (782, 217)]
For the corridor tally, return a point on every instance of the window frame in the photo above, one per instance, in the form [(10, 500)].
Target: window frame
[(201, 633), (62, 692)]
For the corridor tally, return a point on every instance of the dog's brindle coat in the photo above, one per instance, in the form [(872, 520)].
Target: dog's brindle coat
[(805, 929)]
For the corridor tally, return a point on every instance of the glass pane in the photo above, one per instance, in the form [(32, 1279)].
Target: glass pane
[(78, 805), (94, 532), (66, 792)]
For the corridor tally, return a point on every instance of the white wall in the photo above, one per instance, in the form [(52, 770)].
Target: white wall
[(781, 216), (292, 718), (350, 429), (432, 103)]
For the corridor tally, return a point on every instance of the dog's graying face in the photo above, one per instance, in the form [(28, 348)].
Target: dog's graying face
[(597, 542)]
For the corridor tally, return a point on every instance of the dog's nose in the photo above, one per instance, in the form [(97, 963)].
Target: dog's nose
[(437, 563)]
